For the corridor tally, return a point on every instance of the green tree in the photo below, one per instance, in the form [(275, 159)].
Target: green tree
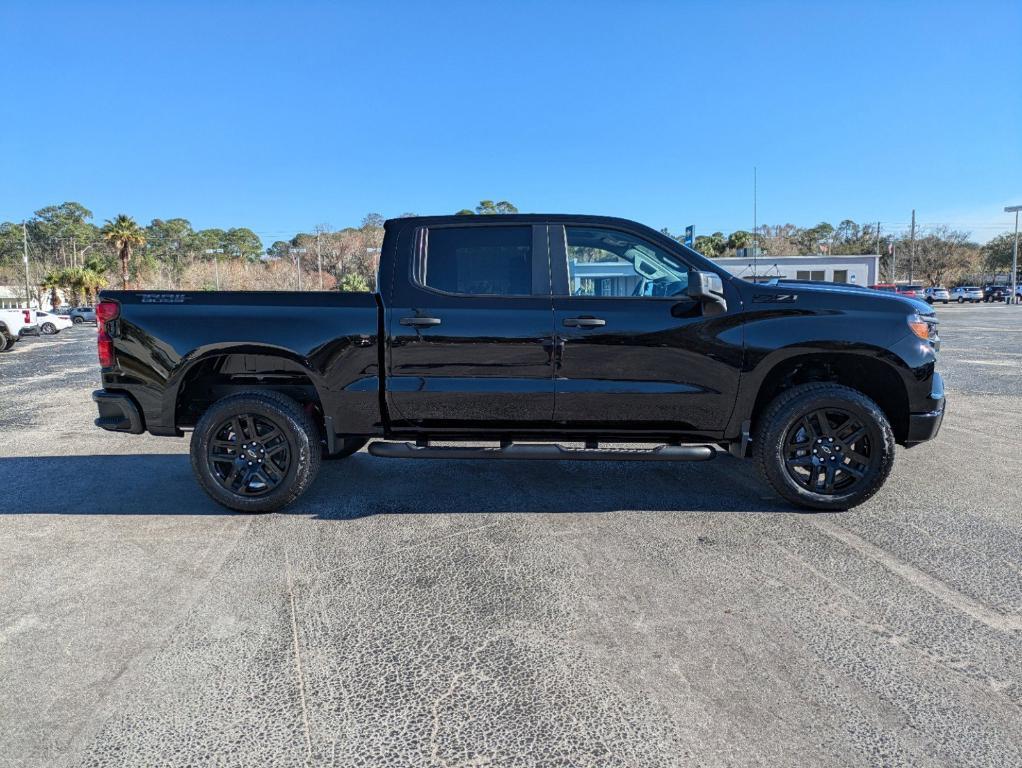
[(997, 253), (122, 233), (52, 281), (62, 230), (353, 283), (711, 246), (487, 207)]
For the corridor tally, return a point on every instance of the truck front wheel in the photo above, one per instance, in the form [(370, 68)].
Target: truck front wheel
[(824, 446), (255, 451)]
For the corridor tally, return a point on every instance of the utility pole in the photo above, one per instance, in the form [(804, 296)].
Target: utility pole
[(215, 253), (1014, 255), (755, 237), (878, 238), (24, 244), (319, 259), (912, 248), (297, 253)]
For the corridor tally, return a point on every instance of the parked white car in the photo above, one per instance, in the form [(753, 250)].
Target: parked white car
[(15, 323), (970, 293), (937, 293), (50, 323)]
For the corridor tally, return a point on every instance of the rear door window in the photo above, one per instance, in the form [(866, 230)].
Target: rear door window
[(479, 260)]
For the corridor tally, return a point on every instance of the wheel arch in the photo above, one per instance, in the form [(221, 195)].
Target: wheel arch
[(216, 373), (868, 372)]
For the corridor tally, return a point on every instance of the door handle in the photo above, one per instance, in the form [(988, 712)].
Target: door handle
[(584, 322), (419, 322)]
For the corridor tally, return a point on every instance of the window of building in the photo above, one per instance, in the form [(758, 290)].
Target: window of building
[(816, 274), (840, 275), (483, 261)]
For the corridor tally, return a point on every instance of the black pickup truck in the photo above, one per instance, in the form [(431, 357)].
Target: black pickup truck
[(541, 337)]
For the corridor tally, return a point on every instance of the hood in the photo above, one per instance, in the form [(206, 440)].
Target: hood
[(837, 295)]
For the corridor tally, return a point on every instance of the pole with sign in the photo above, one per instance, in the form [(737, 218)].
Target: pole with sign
[(690, 235), (1014, 255)]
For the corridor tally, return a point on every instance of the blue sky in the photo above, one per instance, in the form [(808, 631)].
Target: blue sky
[(280, 116)]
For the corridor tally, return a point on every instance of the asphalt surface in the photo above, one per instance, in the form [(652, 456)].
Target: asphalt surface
[(508, 613)]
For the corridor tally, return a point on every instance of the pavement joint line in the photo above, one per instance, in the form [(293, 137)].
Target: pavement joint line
[(298, 660), (930, 584)]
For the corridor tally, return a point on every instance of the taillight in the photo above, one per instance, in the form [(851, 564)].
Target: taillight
[(28, 316), (105, 312)]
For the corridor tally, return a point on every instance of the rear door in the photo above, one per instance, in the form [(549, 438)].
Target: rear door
[(636, 353), (471, 329)]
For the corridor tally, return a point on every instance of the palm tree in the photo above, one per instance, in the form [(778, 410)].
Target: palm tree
[(71, 282), (91, 281), (123, 232), (51, 281)]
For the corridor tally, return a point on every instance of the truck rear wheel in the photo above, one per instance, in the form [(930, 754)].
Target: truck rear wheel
[(255, 451), (824, 446)]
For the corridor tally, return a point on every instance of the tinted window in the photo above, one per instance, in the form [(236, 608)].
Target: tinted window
[(485, 261), (606, 262)]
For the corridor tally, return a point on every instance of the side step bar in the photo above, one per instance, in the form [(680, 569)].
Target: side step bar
[(543, 451)]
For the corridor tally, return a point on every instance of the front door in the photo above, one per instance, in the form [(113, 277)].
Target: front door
[(471, 331), (636, 353)]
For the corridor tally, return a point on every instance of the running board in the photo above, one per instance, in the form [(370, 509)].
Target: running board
[(545, 451)]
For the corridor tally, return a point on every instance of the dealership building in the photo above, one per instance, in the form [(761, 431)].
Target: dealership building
[(619, 278), (855, 270)]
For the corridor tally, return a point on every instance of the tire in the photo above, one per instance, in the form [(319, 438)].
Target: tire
[(961, 300), (292, 450), (48, 328), (945, 301), (6, 342), (783, 426), (77, 320), (349, 445)]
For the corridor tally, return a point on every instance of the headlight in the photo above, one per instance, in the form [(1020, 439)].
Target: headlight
[(923, 327)]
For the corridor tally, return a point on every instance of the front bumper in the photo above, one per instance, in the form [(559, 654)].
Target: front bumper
[(118, 412), (925, 426)]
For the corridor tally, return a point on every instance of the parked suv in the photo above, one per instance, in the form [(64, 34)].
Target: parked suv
[(971, 293), (996, 292), (937, 293), (81, 315)]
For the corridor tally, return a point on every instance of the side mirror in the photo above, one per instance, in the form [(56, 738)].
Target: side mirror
[(708, 288)]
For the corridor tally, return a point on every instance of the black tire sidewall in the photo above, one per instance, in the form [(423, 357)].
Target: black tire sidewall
[(52, 329), (297, 429), (772, 446), (77, 320)]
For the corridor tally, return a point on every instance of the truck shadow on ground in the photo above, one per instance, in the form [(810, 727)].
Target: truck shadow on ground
[(362, 485)]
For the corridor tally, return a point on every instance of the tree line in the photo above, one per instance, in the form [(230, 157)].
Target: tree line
[(72, 255)]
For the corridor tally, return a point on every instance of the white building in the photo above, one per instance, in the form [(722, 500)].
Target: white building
[(855, 270)]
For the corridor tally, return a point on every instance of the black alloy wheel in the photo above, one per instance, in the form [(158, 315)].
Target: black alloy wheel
[(824, 446), (77, 320), (255, 451), (828, 451), (48, 328), (249, 455)]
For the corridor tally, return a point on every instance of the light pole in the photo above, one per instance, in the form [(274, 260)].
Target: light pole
[(297, 253), (1014, 255), (24, 242), (216, 263)]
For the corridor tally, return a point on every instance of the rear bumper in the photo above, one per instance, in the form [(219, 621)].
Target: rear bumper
[(118, 412), (925, 426)]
